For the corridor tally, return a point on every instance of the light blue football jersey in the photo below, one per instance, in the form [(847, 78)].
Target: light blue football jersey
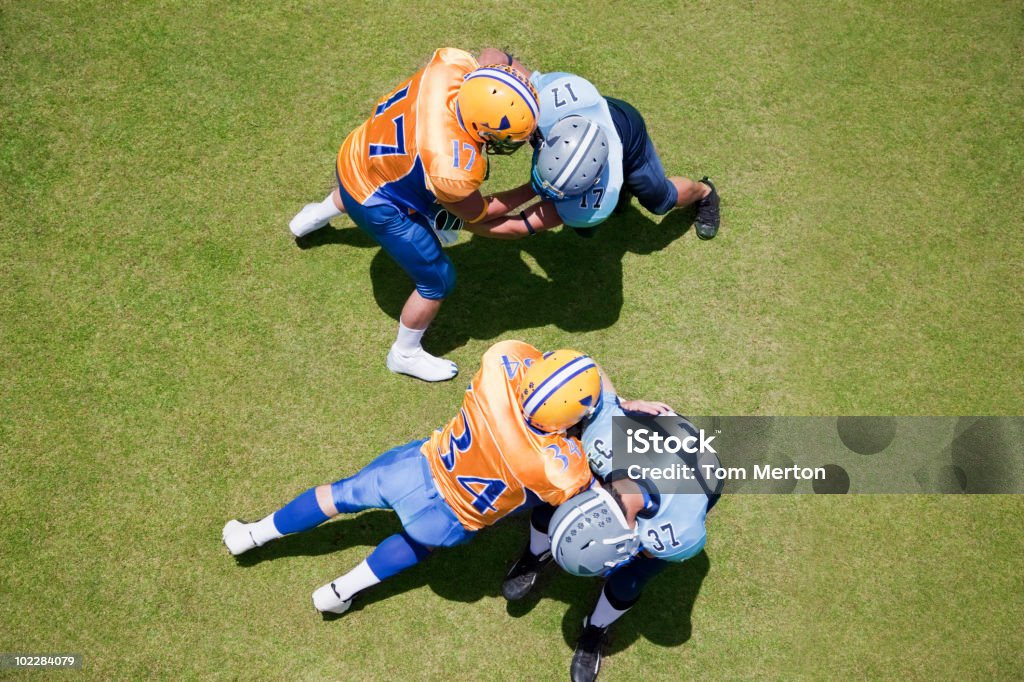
[(562, 94), (675, 531)]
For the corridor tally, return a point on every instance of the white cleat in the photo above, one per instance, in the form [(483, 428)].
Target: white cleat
[(421, 365), (237, 537), (307, 220), (326, 600)]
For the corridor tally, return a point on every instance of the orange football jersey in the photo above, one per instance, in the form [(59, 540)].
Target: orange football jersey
[(487, 461), (413, 151)]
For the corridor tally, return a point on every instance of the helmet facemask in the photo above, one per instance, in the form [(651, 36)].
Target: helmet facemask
[(500, 146)]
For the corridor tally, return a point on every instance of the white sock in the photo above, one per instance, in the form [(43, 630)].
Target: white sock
[(355, 581), (264, 530), (604, 613), (539, 541), (314, 216), (327, 209), (408, 340)]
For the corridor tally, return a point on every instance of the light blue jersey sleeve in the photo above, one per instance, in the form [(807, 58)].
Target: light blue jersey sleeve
[(563, 94)]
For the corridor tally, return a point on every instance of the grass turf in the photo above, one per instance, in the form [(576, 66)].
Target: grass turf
[(170, 359)]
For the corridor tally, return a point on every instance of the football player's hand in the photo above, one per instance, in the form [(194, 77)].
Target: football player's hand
[(651, 407)]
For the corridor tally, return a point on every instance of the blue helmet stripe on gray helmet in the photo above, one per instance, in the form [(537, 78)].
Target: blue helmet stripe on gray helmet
[(571, 158), (589, 534)]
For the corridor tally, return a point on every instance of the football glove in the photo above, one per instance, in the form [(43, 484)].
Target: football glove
[(446, 225)]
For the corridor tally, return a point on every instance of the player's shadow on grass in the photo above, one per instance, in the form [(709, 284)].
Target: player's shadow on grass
[(662, 615), (347, 236), (466, 573), (368, 528), (555, 277), (473, 571)]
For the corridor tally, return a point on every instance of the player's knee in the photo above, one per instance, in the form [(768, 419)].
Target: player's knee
[(625, 585), (439, 284), (419, 550), (396, 554), (661, 201), (325, 500), (343, 496), (622, 593), (447, 279)]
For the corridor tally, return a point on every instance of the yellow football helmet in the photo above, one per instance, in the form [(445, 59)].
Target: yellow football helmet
[(560, 390), (498, 106)]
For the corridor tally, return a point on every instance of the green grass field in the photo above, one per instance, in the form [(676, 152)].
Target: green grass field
[(170, 359)]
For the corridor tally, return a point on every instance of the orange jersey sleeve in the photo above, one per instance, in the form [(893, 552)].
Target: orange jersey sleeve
[(413, 151), (487, 461)]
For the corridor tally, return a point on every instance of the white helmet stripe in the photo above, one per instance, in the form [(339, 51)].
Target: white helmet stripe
[(555, 382), (510, 81), (578, 154)]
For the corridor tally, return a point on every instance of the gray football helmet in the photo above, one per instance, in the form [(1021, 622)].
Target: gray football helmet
[(589, 534), (570, 159)]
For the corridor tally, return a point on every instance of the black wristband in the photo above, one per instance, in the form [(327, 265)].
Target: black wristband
[(510, 60), (522, 214)]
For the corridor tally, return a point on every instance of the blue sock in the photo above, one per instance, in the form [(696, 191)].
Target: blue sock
[(300, 514), (396, 554)]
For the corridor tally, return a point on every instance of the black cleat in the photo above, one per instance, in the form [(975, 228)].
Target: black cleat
[(523, 575), (586, 661), (708, 219)]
